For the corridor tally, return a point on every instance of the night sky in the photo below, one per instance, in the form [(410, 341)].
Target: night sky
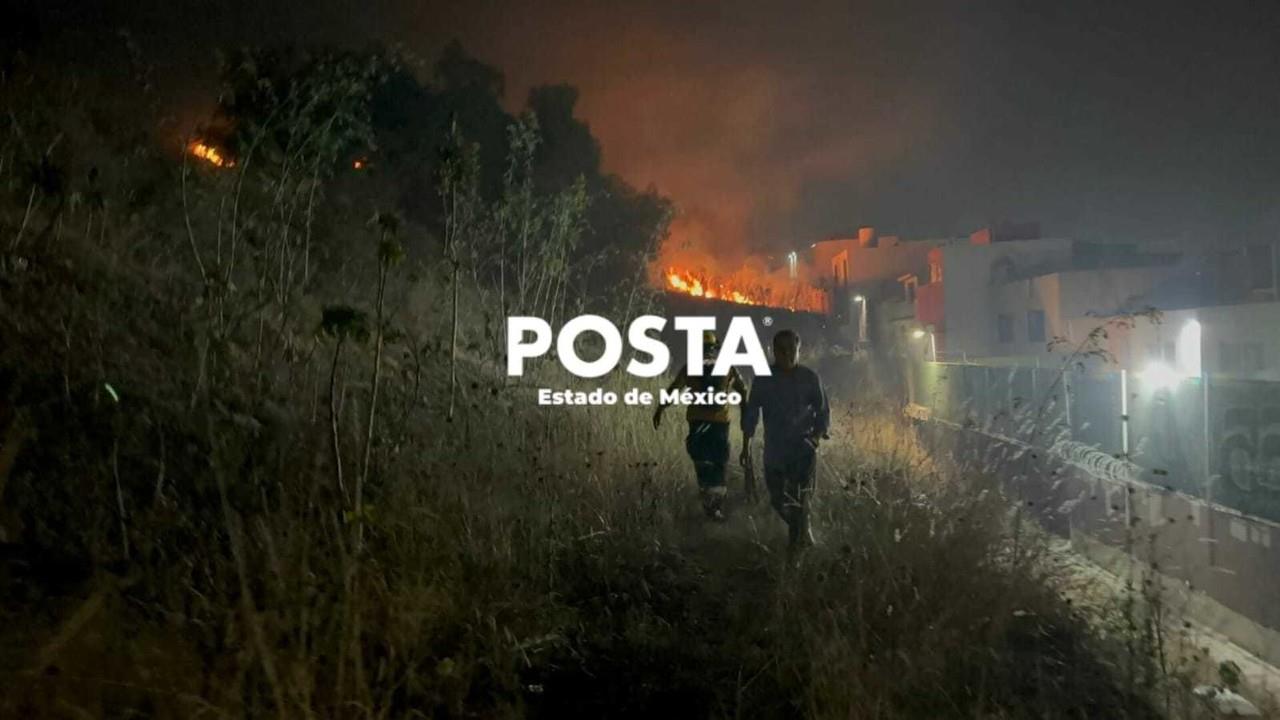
[(777, 123)]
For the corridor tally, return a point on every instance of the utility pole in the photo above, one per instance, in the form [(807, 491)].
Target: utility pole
[(1208, 465), (1124, 442)]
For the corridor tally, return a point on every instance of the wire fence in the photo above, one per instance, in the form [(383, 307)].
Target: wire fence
[(1212, 438)]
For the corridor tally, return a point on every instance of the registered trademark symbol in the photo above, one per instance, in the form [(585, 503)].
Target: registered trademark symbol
[(768, 321)]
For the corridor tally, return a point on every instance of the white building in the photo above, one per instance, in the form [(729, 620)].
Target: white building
[(1005, 298)]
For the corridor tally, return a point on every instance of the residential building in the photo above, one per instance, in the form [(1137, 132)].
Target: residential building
[(867, 273), (1006, 293)]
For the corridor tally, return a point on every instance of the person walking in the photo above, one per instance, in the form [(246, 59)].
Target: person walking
[(708, 440), (796, 419)]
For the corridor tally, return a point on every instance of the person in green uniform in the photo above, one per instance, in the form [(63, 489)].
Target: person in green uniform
[(708, 440)]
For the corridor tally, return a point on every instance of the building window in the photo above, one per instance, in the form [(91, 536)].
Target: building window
[(909, 284), (1240, 358), (935, 272), (1035, 325), (1004, 328)]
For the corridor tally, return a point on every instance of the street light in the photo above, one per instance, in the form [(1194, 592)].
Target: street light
[(919, 334), (862, 317), (1186, 363), (1189, 349), (1161, 375)]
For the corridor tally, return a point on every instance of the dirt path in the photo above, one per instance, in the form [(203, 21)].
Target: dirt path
[(684, 638)]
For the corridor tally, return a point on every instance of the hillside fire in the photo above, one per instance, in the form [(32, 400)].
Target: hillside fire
[(792, 295), (690, 284)]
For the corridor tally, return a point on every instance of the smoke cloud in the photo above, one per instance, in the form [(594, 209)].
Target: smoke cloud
[(773, 124)]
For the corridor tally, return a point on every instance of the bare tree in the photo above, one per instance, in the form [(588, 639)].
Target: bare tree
[(459, 192)]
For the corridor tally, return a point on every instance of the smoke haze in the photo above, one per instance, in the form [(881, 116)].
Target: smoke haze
[(773, 124)]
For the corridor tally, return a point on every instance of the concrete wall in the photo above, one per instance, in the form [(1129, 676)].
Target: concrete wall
[(970, 281), (1108, 290), (1251, 323), (1017, 299), (1064, 297), (1226, 565)]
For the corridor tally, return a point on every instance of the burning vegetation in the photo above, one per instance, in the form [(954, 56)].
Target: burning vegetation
[(209, 154), (685, 282), (748, 287), (706, 258), (250, 548)]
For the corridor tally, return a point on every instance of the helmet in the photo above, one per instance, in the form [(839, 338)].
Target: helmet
[(709, 339)]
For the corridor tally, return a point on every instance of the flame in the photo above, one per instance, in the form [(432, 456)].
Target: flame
[(796, 296), (692, 285), (209, 154), (800, 296)]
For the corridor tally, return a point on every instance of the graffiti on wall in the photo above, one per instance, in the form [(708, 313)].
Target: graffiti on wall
[(1247, 438), (1128, 429)]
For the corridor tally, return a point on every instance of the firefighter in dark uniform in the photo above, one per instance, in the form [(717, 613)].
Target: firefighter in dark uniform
[(796, 419), (708, 440)]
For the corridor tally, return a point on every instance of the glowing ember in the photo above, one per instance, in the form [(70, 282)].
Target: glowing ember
[(209, 154)]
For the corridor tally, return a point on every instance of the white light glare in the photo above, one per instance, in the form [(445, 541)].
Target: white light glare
[(1189, 349), (917, 334), (858, 298), (1160, 375)]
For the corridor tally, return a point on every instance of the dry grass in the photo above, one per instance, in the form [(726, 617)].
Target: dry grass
[(181, 539), (516, 561)]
